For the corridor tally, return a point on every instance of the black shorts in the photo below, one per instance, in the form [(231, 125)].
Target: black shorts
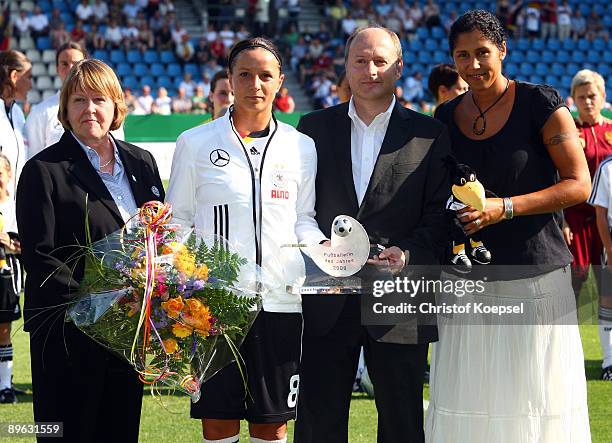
[(9, 300), (271, 351)]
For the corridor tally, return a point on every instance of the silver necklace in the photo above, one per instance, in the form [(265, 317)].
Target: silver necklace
[(107, 163)]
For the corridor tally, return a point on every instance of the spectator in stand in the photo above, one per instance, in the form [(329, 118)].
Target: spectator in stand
[(579, 25), (59, 36), (532, 21), (78, 34), (130, 35), (401, 10), (409, 26), (393, 22), (383, 8), (262, 16), (344, 88), (205, 84), (413, 88), (321, 87), (283, 101), (188, 85), (163, 37), (564, 20), (221, 95), (242, 33), (178, 31), (145, 37), (100, 11), (431, 14), (416, 13), (56, 19), (113, 35), (445, 83), (133, 107), (162, 105), (146, 99), (502, 12), (95, 38), (595, 27), (332, 99), (184, 50), (115, 11), (217, 48), (211, 68), (315, 49), (337, 12), (39, 23), (298, 52), (338, 60), (202, 52), (181, 103), (199, 101), (210, 33), (166, 7), (514, 27), (348, 25), (21, 25), (156, 22), (131, 9), (84, 11), (227, 35), (450, 20), (549, 19)]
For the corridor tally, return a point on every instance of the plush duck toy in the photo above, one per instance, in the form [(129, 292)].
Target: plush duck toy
[(466, 191)]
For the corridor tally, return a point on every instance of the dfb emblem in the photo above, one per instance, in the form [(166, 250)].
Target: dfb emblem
[(219, 157)]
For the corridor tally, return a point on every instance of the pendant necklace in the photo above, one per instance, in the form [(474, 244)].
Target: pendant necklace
[(481, 114), (107, 163)]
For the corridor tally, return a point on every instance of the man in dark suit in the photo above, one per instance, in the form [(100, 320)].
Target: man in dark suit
[(381, 164), (75, 380)]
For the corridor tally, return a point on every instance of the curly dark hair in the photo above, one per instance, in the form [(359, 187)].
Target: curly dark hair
[(479, 19)]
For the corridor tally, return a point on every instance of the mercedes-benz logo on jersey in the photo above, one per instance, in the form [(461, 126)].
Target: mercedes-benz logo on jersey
[(219, 157)]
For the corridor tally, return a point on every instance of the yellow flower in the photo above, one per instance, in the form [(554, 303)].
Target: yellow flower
[(172, 248), (181, 331), (170, 346), (173, 306), (197, 316), (184, 262), (201, 273)]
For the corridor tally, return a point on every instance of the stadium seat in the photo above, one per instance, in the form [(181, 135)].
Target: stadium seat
[(526, 69), (532, 56), (425, 57), (548, 57), (572, 68), (141, 70), (541, 69), (48, 56), (553, 44), (441, 57), (536, 79), (566, 81), (585, 9), (551, 80), (604, 69), (568, 44), (33, 96), (48, 93), (557, 69), (165, 81), (410, 57), (117, 56), (416, 45), (583, 44), (607, 56), (431, 44), (27, 5), (511, 69), (174, 69), (147, 80), (538, 44), (26, 43), (523, 44), (39, 69), (134, 56), (44, 82), (130, 82), (593, 56), (52, 69), (45, 6), (167, 57), (438, 33), (101, 54), (43, 43), (157, 70), (599, 44), (578, 56), (33, 55), (192, 69), (151, 57), (517, 56), (123, 69), (422, 33), (57, 83), (563, 56)]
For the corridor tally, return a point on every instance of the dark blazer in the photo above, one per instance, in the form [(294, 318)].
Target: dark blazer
[(403, 205), (56, 189)]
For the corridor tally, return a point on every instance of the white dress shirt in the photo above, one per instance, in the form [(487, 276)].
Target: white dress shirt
[(366, 142)]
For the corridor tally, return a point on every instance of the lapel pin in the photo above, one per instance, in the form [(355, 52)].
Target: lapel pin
[(134, 178), (155, 191)]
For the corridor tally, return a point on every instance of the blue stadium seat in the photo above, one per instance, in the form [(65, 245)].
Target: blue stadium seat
[(151, 57), (523, 44), (147, 80), (593, 55), (441, 57), (141, 70), (517, 56), (607, 56), (553, 44), (134, 56), (532, 56), (557, 68), (463, 7), (548, 56), (167, 57), (607, 20), (438, 33), (526, 69), (585, 9), (511, 69), (192, 69), (43, 43), (551, 80), (584, 44), (598, 44), (117, 56), (416, 45), (422, 33), (101, 54), (124, 69), (177, 82), (431, 44), (578, 56), (572, 68), (541, 69), (410, 57), (130, 82), (157, 69), (174, 69), (569, 44), (563, 56), (538, 44), (425, 57), (604, 69), (566, 81), (165, 81), (45, 6), (536, 79)]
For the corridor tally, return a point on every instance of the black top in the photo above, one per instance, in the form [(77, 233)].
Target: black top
[(512, 162)]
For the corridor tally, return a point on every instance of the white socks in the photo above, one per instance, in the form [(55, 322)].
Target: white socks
[(6, 366), (259, 440), (605, 335), (233, 439)]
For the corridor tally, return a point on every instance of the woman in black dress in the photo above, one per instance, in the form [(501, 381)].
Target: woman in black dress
[(522, 381)]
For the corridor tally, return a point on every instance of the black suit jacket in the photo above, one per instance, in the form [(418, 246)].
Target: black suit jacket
[(56, 189), (403, 205)]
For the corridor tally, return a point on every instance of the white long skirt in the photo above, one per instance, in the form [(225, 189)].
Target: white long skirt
[(511, 383)]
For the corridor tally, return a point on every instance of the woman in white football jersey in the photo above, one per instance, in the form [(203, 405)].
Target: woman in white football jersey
[(251, 179)]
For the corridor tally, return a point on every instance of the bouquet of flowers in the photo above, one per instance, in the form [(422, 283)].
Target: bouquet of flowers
[(167, 301)]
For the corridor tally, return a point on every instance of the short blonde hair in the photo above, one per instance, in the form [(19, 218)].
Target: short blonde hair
[(92, 75), (587, 77), (394, 38)]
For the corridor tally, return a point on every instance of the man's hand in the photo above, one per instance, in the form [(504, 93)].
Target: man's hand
[(568, 235), (395, 257)]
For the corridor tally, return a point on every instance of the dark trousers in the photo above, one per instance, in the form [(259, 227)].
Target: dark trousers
[(75, 381), (327, 373)]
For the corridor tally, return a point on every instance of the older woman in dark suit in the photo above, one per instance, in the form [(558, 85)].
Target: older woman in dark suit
[(96, 395)]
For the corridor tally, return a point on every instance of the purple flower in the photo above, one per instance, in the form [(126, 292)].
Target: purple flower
[(198, 284)]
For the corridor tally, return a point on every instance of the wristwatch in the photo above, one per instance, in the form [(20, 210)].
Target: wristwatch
[(508, 209)]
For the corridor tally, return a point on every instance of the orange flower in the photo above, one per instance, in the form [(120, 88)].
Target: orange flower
[(173, 306), (170, 346), (181, 331), (197, 316), (201, 273), (172, 248)]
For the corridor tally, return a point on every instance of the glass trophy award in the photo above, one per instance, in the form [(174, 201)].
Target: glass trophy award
[(343, 266)]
